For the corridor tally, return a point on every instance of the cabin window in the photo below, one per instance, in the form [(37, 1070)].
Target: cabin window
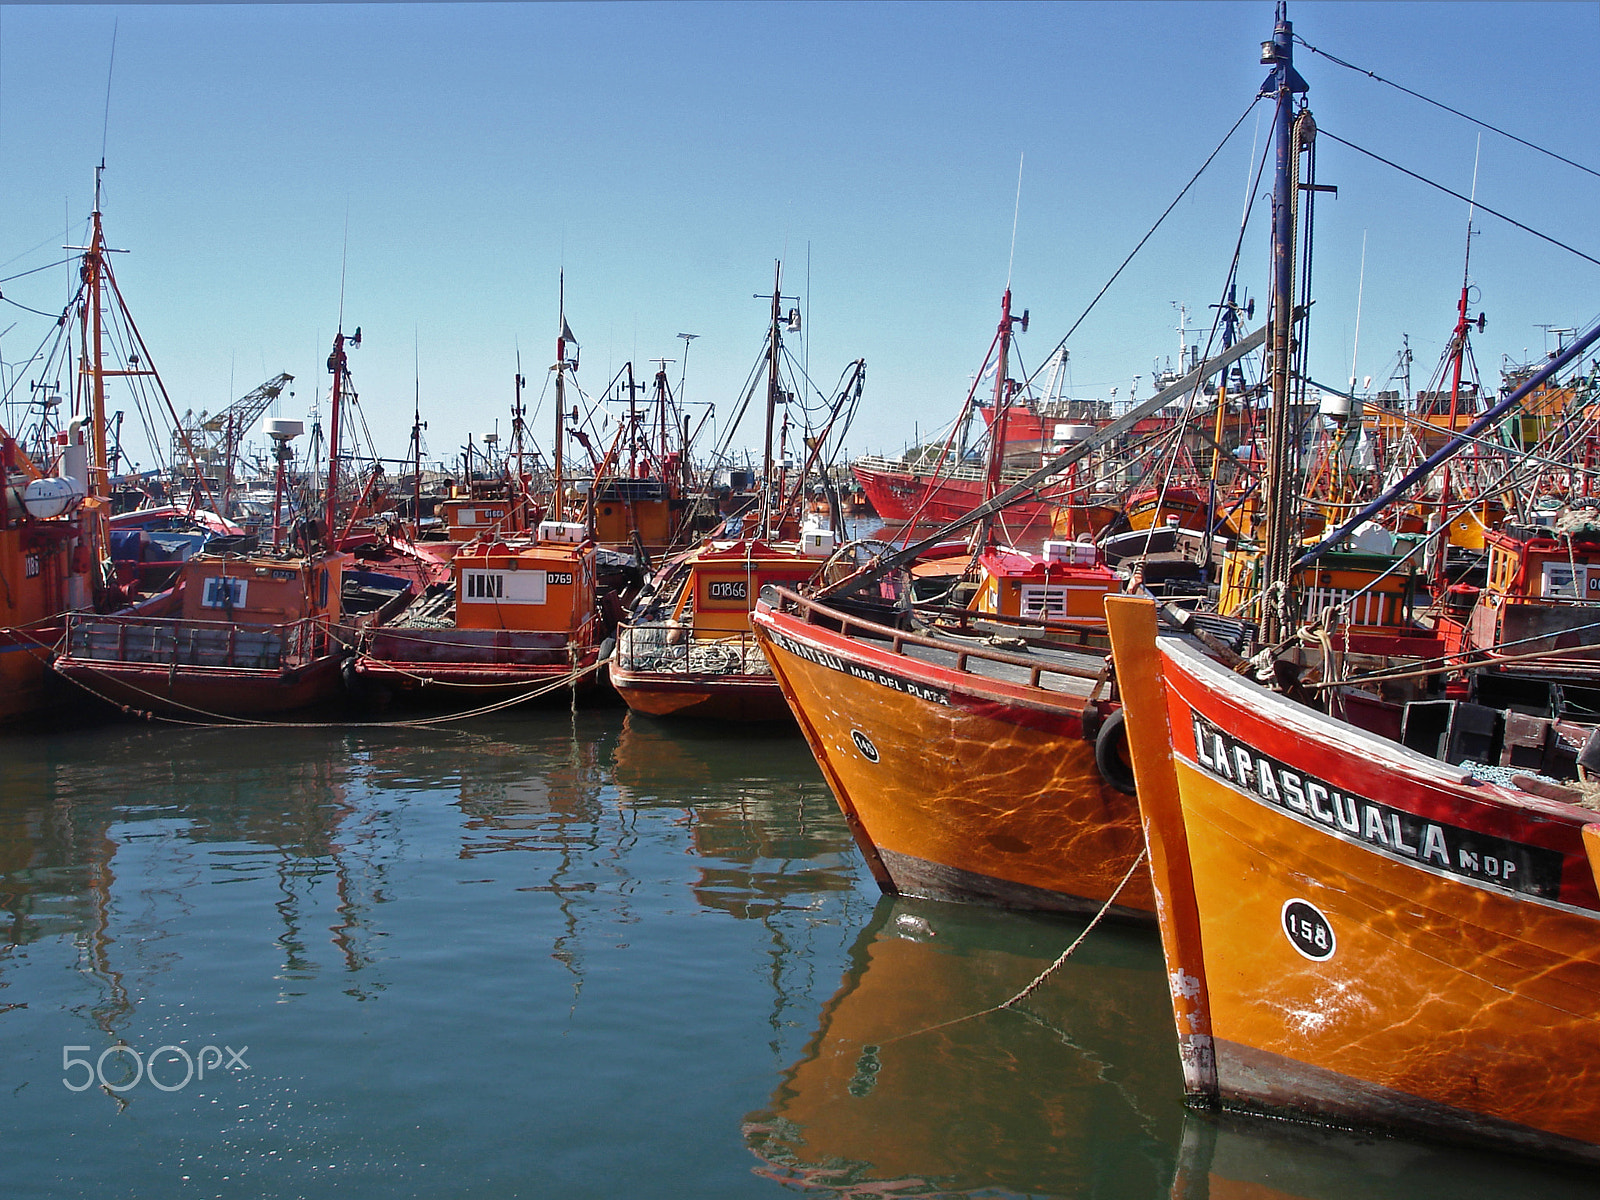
[(223, 592), (1565, 581), (499, 587), (1043, 601), (483, 586)]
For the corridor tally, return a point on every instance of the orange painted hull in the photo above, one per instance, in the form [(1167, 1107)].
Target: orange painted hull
[(1375, 942), (750, 698), (956, 786)]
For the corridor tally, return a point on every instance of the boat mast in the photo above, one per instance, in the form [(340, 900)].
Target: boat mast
[(93, 343), (1282, 484), (1458, 355), (417, 427), (1002, 405), (557, 504), (520, 495), (339, 365), (774, 345)]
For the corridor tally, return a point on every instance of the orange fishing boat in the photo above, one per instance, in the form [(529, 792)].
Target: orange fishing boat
[(688, 649), (1356, 932), (517, 614), (966, 771), (977, 756)]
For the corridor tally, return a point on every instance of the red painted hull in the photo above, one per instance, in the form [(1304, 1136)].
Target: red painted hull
[(207, 693), (902, 496)]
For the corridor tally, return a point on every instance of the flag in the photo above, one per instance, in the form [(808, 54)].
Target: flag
[(569, 344)]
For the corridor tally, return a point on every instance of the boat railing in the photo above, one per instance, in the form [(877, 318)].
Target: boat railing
[(963, 655), (672, 648), (161, 641)]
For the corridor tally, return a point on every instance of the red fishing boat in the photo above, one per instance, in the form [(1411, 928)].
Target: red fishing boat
[(250, 632)]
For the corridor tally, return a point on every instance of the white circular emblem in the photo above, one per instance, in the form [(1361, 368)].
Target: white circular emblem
[(1308, 930), (864, 744)]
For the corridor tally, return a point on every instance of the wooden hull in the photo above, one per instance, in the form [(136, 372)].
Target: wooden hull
[(750, 698), (467, 665), (1367, 939), (957, 786), (201, 693)]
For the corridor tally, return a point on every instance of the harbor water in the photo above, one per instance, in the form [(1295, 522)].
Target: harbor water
[(576, 955)]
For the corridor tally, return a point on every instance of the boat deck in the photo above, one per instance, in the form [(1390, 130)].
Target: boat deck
[(1052, 668), (1022, 655)]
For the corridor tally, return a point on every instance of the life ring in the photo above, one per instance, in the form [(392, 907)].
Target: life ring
[(1111, 754)]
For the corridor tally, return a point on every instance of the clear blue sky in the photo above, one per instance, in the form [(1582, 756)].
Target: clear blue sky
[(667, 154)]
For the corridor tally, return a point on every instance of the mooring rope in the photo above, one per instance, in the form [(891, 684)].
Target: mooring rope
[(222, 720), (1043, 975)]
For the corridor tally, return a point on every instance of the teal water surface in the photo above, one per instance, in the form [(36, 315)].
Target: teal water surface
[(576, 956)]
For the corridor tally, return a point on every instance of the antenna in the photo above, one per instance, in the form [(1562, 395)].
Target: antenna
[(344, 259), (1015, 212), (1355, 349), (105, 126), (1472, 204)]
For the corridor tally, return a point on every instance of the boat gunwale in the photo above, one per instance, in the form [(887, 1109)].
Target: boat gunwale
[(960, 680), (1498, 803)]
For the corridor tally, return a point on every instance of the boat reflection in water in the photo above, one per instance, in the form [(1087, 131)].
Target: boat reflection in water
[(895, 1094), (1224, 1156)]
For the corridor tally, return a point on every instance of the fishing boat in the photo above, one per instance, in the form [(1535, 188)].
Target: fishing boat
[(976, 751), (687, 649), (1356, 932), (251, 631), (518, 615), (1394, 935), (50, 547)]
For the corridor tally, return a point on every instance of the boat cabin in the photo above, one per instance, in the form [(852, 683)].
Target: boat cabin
[(1068, 582), (622, 507), (541, 586), (471, 517), (1541, 593), (261, 589), (723, 579)]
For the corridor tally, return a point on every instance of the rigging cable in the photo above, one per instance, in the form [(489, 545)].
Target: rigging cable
[(1149, 234), (1464, 199), (1437, 104)]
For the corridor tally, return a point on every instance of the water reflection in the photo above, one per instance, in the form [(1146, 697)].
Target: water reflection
[(896, 1094), (1229, 1157)]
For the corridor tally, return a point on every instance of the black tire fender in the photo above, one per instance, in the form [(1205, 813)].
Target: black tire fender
[(1111, 754)]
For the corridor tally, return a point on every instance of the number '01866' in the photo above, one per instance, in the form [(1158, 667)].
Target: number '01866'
[(129, 1068)]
